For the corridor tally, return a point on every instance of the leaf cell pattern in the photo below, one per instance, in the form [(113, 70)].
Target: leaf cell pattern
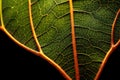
[(51, 18)]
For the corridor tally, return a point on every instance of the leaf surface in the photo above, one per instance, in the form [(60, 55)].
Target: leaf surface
[(74, 34)]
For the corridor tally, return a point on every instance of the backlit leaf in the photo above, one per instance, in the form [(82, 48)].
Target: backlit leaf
[(75, 34)]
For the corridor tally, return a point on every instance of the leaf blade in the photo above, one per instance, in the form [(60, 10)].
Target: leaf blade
[(52, 26)]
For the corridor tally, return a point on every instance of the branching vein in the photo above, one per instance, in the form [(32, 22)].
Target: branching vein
[(32, 27)]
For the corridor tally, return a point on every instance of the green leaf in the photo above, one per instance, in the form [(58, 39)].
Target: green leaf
[(74, 34)]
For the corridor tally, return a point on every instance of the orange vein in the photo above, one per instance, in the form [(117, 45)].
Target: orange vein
[(39, 47), (66, 76), (32, 27), (77, 75), (1, 16), (0, 12), (112, 48), (113, 26)]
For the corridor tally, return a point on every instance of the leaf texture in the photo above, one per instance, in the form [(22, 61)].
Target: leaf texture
[(53, 21)]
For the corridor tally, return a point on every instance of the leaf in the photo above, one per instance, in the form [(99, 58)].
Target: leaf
[(74, 36), (113, 47)]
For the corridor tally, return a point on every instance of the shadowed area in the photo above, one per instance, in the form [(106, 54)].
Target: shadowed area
[(17, 63)]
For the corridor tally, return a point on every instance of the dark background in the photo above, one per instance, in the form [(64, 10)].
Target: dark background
[(17, 63)]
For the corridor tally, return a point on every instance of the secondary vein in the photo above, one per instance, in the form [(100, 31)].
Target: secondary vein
[(113, 26), (1, 17), (0, 10), (111, 50), (32, 27), (77, 75)]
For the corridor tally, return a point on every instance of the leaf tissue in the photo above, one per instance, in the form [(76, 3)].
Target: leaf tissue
[(75, 36)]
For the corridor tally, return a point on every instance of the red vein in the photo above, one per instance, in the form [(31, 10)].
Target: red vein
[(111, 50), (113, 26), (32, 27), (65, 75), (39, 47), (2, 28), (77, 75)]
